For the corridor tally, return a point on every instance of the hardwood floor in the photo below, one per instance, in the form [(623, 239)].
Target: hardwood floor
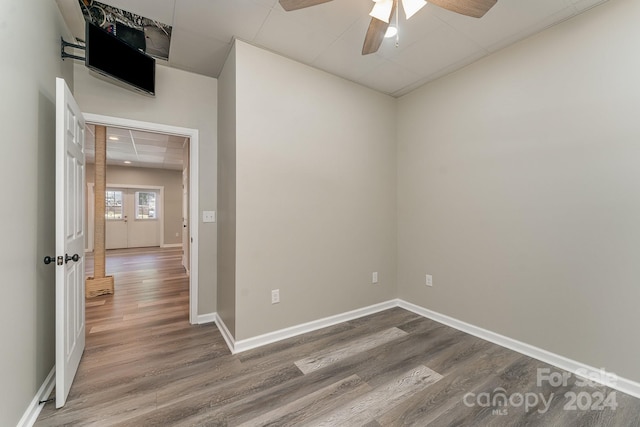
[(145, 365)]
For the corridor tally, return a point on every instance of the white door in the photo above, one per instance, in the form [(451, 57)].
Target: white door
[(132, 216), (70, 207), (116, 235), (144, 217)]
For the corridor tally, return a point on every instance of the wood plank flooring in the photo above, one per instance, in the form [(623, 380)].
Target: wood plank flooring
[(145, 365)]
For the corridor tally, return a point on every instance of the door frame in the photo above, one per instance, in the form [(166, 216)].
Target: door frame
[(185, 218), (91, 210), (192, 134)]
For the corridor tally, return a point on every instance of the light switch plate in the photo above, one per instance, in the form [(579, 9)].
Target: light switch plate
[(208, 216)]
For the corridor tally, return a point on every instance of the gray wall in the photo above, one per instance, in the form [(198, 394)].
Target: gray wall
[(518, 191), (30, 44), (227, 193), (171, 180), (315, 193), (182, 99)]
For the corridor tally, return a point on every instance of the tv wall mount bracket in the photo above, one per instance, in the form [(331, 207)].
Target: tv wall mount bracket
[(63, 54)]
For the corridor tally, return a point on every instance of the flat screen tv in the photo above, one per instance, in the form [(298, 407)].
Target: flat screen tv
[(110, 56)]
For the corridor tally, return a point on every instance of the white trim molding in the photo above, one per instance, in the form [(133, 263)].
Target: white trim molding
[(226, 334), (206, 318), (578, 368), (292, 331), (33, 410), (194, 221)]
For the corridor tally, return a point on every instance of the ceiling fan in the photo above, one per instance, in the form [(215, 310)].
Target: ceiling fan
[(383, 10)]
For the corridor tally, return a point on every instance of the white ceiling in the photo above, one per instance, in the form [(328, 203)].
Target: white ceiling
[(329, 36), (141, 149)]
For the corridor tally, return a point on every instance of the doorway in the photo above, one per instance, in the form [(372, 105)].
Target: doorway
[(188, 234)]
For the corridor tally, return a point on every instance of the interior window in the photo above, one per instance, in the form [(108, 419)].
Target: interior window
[(113, 205), (146, 205)]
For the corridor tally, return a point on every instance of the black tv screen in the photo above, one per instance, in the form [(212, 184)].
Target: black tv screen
[(110, 56)]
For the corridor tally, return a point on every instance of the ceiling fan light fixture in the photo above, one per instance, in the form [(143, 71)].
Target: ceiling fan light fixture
[(391, 32), (412, 6), (382, 10)]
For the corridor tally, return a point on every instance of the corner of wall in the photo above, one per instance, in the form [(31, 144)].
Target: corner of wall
[(226, 254)]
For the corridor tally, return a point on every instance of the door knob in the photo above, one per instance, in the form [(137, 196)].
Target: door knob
[(73, 258), (49, 259)]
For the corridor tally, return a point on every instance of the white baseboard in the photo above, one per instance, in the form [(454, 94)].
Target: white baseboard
[(618, 383), (624, 385), (171, 245), (271, 337), (226, 334), (206, 318), (621, 384), (33, 410)]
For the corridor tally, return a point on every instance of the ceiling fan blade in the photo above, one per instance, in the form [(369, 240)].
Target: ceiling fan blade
[(473, 8), (290, 5), (374, 37), (376, 32)]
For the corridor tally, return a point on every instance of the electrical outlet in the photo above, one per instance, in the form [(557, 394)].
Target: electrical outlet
[(374, 277), (429, 280), (208, 216), (275, 296), (177, 235)]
